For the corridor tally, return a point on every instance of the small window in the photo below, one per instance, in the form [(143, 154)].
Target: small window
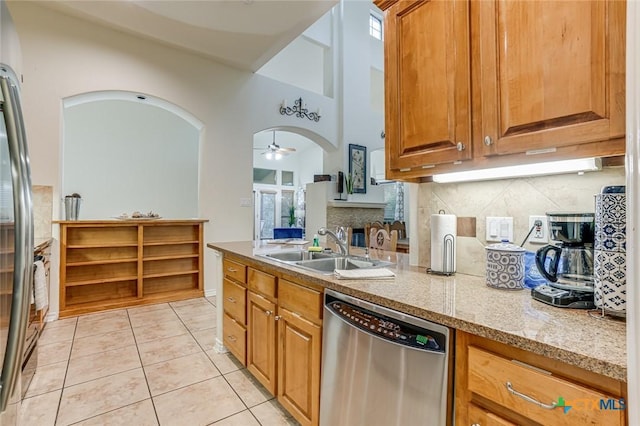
[(375, 26), (287, 178), (266, 176)]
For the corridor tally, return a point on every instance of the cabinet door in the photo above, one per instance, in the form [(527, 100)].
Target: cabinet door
[(552, 73), (299, 359), (427, 83), (480, 416), (261, 336)]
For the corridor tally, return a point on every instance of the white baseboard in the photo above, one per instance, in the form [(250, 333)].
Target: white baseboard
[(210, 293), (51, 316), (220, 348)]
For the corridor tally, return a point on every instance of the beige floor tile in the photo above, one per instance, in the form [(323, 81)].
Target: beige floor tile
[(187, 312), (64, 322), (225, 363), (57, 334), (98, 316), (190, 302), (100, 396), (193, 405), (248, 389), (212, 299), (47, 378), (206, 338), (180, 372), (271, 413), (146, 308), (201, 322), (102, 323), (148, 332), (243, 418), (55, 352), (165, 349), (40, 410), (102, 342), (102, 364), (139, 414), (153, 317)]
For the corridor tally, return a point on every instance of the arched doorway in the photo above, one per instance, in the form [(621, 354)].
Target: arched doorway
[(279, 179), (126, 152)]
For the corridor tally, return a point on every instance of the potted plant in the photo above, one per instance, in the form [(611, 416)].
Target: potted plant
[(348, 184), (292, 216)]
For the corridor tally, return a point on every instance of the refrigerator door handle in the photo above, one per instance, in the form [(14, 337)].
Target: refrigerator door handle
[(23, 259)]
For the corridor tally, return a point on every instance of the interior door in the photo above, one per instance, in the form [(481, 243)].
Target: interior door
[(265, 214)]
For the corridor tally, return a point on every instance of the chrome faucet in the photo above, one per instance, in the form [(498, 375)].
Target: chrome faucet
[(340, 236)]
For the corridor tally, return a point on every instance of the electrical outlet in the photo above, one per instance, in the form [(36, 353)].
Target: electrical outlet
[(540, 233), (499, 228)]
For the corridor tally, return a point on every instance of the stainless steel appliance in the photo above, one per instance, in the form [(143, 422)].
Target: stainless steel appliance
[(382, 367), (568, 264), (17, 346)]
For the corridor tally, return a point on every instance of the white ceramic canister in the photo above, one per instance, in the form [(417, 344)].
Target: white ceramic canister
[(505, 266)]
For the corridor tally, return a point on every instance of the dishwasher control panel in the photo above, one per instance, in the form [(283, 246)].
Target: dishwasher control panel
[(387, 328)]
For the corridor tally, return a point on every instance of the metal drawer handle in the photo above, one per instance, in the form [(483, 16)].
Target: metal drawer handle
[(277, 317), (530, 399), (488, 141), (232, 338), (231, 299), (460, 146), (232, 269), (268, 313)]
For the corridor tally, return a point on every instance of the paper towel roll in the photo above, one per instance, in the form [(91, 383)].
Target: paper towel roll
[(444, 229)]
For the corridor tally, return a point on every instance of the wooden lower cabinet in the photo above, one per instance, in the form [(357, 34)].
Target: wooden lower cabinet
[(261, 340), (235, 338), (481, 417), (299, 360), (500, 385)]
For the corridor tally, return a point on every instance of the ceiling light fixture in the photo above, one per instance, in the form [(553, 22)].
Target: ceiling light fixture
[(536, 169), (299, 111)]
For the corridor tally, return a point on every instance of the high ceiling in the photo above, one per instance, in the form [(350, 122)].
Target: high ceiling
[(240, 33)]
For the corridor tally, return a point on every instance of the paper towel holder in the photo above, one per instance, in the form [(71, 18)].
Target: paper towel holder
[(448, 256)]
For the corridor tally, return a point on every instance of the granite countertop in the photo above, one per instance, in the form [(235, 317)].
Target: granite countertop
[(464, 302)]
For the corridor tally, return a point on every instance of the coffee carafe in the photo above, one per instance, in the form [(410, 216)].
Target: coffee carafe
[(568, 263)]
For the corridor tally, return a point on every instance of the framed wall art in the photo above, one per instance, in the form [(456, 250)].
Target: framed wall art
[(358, 168)]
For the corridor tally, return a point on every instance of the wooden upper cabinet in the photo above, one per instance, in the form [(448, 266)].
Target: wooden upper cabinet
[(551, 73), (427, 83)]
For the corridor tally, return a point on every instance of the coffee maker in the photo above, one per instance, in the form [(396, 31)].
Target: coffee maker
[(568, 263)]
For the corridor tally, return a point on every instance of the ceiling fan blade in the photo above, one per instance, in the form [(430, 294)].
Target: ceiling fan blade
[(286, 149)]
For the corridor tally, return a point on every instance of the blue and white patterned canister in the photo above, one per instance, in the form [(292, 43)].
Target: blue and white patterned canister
[(610, 281)]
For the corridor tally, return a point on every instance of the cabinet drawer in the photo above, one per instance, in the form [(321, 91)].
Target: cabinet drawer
[(235, 338), (235, 301), (262, 283), (480, 416), (490, 373), (235, 270), (301, 300)]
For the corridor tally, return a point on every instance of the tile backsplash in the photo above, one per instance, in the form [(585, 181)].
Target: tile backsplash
[(42, 211), (517, 198)]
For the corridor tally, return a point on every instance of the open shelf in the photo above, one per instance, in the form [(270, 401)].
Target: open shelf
[(100, 263), (101, 281)]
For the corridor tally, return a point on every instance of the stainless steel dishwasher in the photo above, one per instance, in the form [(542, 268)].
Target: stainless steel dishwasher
[(381, 367)]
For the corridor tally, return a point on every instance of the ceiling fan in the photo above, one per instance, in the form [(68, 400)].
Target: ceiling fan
[(274, 151)]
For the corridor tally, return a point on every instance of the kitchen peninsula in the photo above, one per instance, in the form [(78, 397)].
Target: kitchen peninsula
[(585, 354)]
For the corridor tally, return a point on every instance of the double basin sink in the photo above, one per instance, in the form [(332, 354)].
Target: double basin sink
[(324, 262)]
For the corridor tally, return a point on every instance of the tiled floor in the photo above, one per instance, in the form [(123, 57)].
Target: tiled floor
[(144, 366)]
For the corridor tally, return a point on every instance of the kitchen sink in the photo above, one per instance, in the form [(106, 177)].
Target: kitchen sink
[(299, 255), (324, 262), (352, 262)]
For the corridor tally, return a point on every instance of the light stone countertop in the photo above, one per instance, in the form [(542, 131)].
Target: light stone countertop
[(464, 302)]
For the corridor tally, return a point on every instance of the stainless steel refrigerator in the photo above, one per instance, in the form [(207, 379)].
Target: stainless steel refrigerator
[(16, 246)]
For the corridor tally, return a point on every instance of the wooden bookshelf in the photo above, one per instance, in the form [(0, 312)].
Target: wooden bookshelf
[(112, 264)]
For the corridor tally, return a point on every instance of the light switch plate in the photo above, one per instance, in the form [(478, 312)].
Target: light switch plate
[(540, 233), (499, 228), (245, 202)]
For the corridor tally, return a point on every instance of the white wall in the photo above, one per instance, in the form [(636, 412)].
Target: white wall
[(125, 156), (64, 56)]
